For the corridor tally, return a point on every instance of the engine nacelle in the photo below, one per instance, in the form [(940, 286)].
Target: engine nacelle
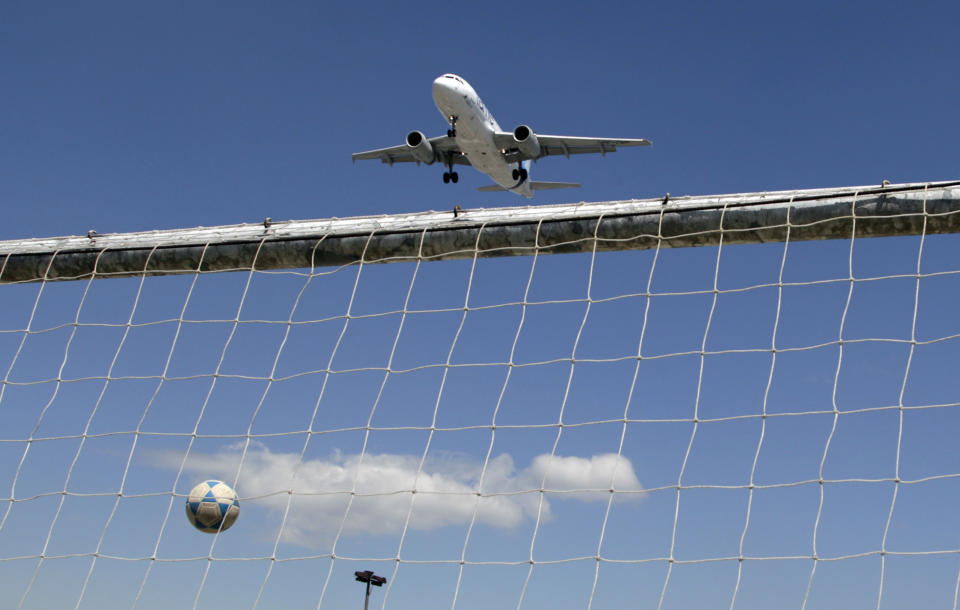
[(420, 147), (527, 141)]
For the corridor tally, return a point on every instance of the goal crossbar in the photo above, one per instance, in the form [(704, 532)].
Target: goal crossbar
[(809, 214)]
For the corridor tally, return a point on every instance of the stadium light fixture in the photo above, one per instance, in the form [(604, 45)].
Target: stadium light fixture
[(370, 578)]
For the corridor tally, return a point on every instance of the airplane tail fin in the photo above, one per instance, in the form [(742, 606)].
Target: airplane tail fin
[(534, 185)]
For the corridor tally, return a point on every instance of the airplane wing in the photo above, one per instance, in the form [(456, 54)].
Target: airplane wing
[(565, 145), (442, 145)]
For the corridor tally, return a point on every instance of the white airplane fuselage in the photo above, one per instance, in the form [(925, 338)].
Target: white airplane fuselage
[(475, 128)]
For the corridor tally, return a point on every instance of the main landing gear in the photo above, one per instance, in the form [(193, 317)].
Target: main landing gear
[(520, 174), (450, 176)]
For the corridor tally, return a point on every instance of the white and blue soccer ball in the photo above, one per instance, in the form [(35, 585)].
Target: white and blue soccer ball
[(212, 506)]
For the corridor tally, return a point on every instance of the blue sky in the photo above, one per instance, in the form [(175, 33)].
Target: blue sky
[(119, 117), (122, 118)]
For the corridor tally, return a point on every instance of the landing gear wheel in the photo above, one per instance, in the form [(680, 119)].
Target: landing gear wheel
[(454, 177), (446, 177), (516, 174), (452, 132), (523, 173)]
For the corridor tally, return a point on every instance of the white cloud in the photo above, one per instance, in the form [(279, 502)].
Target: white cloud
[(446, 488)]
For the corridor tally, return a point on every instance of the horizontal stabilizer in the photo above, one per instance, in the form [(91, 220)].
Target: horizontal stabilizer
[(534, 185), (548, 186)]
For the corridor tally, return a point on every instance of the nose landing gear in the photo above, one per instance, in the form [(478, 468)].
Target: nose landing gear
[(452, 132)]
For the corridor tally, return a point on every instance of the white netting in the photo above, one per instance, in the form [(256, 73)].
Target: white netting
[(743, 426)]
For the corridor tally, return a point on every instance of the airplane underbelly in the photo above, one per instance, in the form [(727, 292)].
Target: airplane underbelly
[(475, 139), (485, 157), (477, 143)]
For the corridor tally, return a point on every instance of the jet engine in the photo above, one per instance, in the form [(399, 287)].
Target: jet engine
[(527, 141), (420, 147)]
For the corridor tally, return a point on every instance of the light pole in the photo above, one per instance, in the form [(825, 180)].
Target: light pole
[(370, 578)]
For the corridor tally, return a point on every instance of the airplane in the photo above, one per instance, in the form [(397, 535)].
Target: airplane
[(475, 138)]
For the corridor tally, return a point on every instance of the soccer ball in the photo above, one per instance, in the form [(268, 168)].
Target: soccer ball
[(212, 506)]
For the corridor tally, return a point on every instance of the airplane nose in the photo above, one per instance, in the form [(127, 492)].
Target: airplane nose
[(443, 89), (441, 85)]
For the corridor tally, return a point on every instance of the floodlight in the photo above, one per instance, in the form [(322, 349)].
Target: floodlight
[(367, 576)]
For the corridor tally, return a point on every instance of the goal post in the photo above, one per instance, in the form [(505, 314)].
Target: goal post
[(742, 401), (886, 210)]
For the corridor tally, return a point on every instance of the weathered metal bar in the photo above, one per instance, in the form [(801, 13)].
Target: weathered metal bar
[(874, 211)]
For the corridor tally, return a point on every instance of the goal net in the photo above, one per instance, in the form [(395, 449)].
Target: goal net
[(743, 401)]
